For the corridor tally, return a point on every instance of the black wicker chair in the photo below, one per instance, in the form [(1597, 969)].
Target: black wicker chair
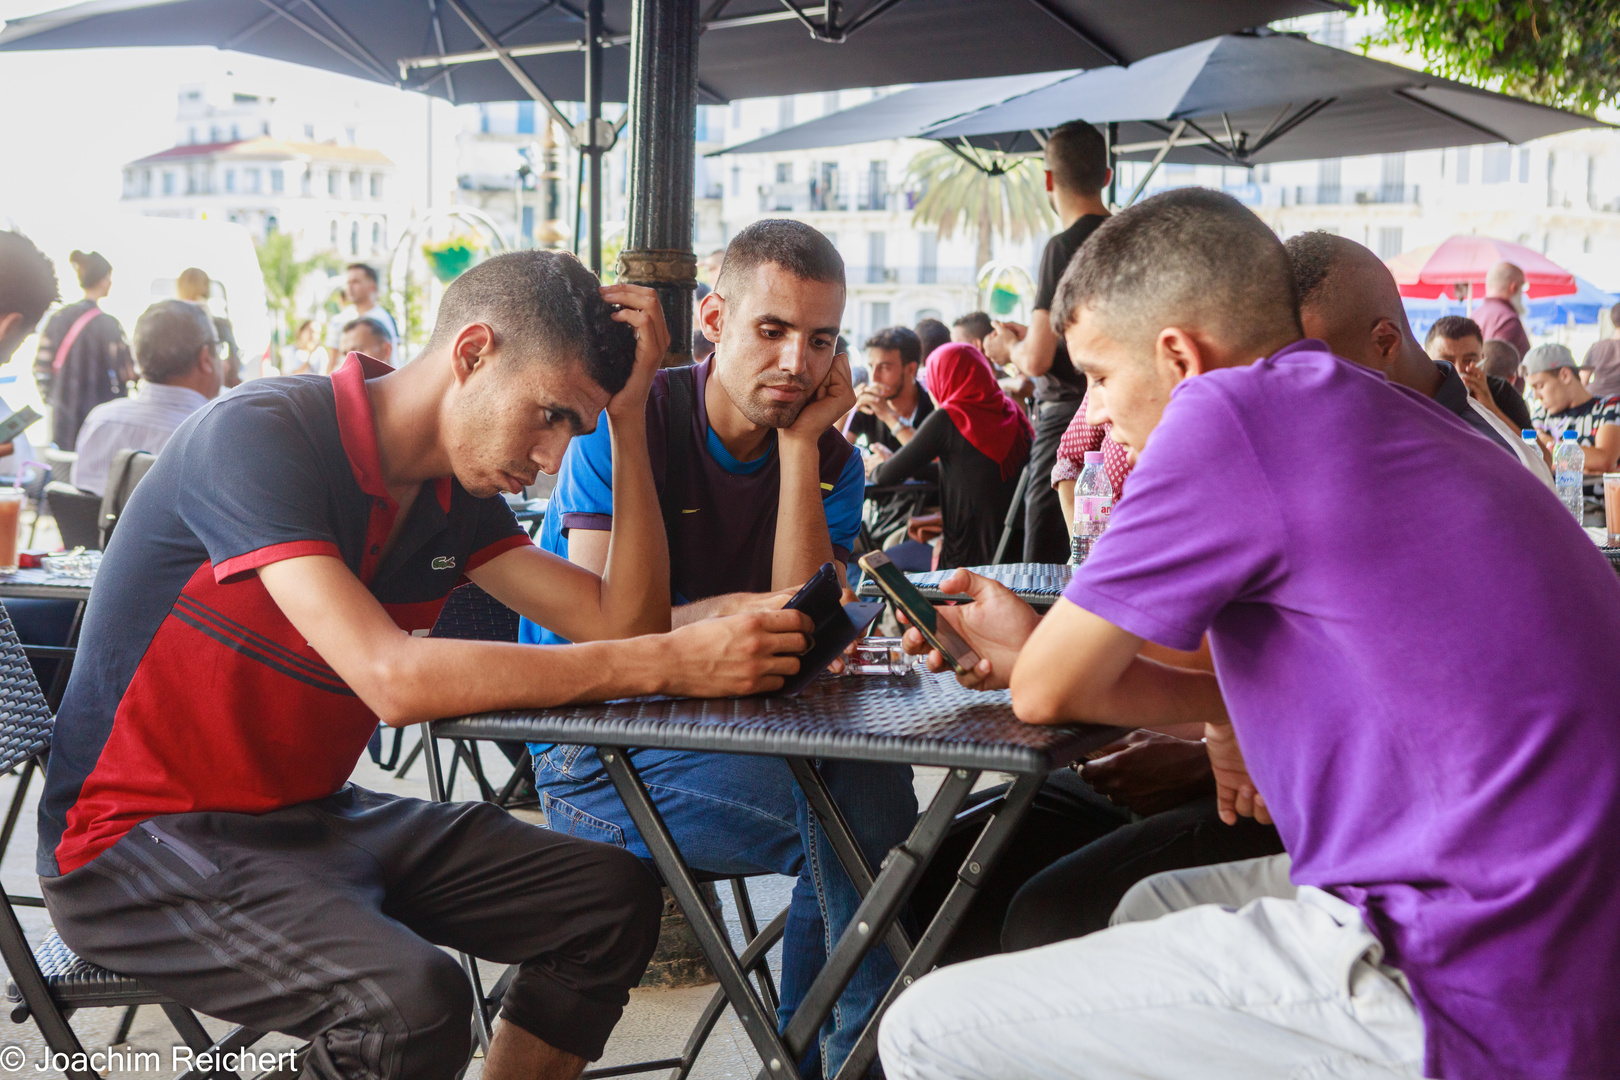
[(50, 984), (472, 614)]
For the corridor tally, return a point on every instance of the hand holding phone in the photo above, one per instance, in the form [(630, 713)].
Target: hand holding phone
[(920, 613)]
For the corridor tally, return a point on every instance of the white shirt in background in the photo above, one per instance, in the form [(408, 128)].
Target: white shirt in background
[(143, 422), (1529, 455)]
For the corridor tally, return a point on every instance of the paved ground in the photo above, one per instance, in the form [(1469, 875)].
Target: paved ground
[(655, 1025)]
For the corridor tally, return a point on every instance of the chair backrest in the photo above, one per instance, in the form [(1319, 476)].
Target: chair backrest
[(128, 466), (25, 719), (77, 514), (472, 614)]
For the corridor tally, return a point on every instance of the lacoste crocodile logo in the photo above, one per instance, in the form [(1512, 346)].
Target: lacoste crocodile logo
[(444, 562)]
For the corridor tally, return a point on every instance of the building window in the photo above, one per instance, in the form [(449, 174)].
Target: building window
[(877, 316), (236, 133), (784, 111), (271, 224), (348, 135), (278, 181), (376, 185), (1389, 242), (309, 132), (736, 179), (525, 118), (168, 183), (264, 127), (191, 136), (306, 182), (1327, 181), (876, 257), (230, 179), (354, 238), (1465, 156), (357, 185), (213, 134), (334, 232), (784, 172), (377, 235), (191, 181), (1393, 188), (253, 180), (1495, 164), (1524, 166), (927, 258), (736, 114), (146, 181), (1586, 244), (332, 182)]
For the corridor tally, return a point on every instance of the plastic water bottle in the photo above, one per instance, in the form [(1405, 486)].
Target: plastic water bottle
[(1093, 503), (1569, 465)]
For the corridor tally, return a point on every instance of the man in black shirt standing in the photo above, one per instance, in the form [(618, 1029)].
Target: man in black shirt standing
[(1076, 174)]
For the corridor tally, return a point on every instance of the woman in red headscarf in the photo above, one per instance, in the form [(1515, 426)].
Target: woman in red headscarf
[(981, 438)]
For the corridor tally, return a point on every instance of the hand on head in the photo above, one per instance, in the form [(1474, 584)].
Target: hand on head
[(639, 308), (831, 400)]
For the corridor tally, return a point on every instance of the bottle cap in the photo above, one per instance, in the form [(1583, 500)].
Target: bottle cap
[(1570, 435), (1527, 433), (1094, 457)]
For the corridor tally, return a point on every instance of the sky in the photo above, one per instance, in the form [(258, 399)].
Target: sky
[(72, 119)]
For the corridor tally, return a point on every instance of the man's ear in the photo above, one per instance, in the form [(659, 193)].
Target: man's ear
[(1048, 179), (1179, 354), (208, 359), (712, 316), (471, 349), (1386, 338)]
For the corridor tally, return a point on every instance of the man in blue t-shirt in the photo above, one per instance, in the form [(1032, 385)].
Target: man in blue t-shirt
[(759, 490)]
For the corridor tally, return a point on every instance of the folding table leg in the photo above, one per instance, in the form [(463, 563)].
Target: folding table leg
[(842, 838), (879, 908), (712, 937), (981, 859)]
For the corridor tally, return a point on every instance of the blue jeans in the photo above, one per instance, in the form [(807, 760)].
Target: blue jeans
[(738, 814)]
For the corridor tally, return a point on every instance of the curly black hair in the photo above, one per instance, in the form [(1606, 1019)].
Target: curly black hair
[(543, 302)]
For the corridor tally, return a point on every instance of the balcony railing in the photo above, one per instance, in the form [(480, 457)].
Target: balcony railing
[(910, 275)]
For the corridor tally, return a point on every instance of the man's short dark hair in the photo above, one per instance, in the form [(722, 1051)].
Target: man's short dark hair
[(1500, 358), (1614, 315), (1312, 255), (792, 245), (27, 280), (1189, 255), (976, 323), (1453, 328), (168, 337), (1077, 157), (366, 268), (932, 334), (901, 339), (374, 327), (541, 302)]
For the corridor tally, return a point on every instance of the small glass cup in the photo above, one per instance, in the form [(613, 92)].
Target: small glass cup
[(1611, 507), (879, 656), (11, 504)]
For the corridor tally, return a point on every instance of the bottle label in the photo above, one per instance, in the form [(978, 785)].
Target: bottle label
[(1094, 509)]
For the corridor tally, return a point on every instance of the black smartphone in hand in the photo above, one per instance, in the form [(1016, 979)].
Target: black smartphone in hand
[(904, 595)]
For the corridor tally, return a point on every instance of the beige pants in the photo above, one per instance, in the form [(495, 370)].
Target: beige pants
[(1262, 987)]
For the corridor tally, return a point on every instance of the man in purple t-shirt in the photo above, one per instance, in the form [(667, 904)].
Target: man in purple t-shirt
[(1454, 909)]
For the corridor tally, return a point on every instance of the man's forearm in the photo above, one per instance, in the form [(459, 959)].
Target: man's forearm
[(802, 544), (433, 678), (635, 580)]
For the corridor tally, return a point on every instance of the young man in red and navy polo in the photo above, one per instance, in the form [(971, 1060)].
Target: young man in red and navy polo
[(251, 622)]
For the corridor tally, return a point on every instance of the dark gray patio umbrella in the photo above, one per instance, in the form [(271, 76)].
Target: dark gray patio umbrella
[(749, 48), (1241, 99)]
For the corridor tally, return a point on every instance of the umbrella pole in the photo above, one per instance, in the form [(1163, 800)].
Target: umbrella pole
[(593, 117), (1113, 164), (663, 129)]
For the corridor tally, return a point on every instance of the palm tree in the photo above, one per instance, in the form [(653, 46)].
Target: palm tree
[(283, 274), (1010, 199)]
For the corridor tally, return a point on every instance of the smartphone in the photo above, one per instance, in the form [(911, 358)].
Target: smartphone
[(837, 624), (904, 595), (18, 422)]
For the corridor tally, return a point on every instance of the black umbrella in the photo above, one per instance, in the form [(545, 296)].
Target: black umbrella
[(749, 48), (1241, 99)]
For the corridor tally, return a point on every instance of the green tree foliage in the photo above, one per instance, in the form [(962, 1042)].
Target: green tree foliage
[(1560, 52), (283, 274), (957, 194)]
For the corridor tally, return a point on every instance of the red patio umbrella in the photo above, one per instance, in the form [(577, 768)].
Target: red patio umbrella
[(1439, 269)]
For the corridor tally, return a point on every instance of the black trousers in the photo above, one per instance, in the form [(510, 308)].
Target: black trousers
[(1072, 860), (1046, 539), (325, 920)]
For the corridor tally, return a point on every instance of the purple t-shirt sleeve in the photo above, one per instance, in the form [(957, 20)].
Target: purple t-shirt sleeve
[(1199, 528)]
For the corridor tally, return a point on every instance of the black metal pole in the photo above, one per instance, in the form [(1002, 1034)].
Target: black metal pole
[(663, 119), (1113, 164), (593, 116)]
